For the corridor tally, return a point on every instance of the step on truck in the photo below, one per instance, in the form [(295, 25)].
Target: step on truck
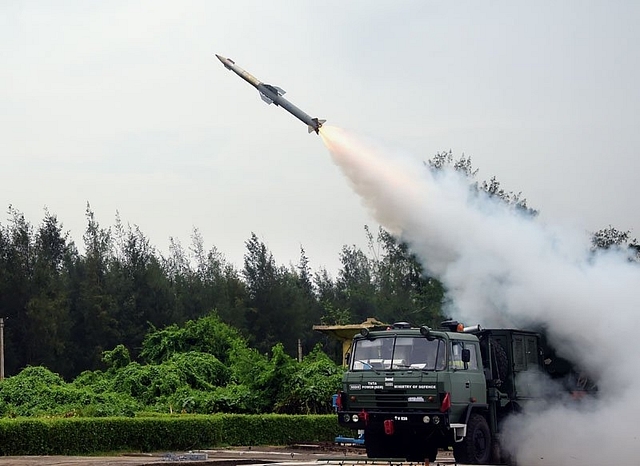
[(416, 390)]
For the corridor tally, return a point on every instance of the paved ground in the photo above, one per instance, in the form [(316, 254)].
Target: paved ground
[(301, 456), (231, 457)]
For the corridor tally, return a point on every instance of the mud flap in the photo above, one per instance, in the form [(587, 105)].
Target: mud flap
[(388, 427)]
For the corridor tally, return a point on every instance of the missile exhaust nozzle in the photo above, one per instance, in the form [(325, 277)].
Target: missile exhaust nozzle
[(317, 124)]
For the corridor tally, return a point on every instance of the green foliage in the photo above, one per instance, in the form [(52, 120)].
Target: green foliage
[(70, 311), (36, 391), (201, 371), (117, 358), (83, 436), (333, 316), (207, 334), (153, 384), (311, 386), (146, 383), (388, 283), (88, 316), (231, 398)]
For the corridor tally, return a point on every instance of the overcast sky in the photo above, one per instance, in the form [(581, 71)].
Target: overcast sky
[(123, 104)]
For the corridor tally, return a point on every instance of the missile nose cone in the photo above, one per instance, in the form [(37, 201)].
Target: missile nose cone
[(227, 62)]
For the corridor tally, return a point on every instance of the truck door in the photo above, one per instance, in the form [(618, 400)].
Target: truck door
[(467, 379), (525, 358)]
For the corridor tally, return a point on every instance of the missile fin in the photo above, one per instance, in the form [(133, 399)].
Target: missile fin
[(275, 89), (265, 98)]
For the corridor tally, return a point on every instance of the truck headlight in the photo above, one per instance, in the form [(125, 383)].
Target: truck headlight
[(355, 418), (426, 419), (346, 417), (436, 420)]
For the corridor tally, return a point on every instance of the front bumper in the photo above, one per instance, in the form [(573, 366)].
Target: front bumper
[(428, 419)]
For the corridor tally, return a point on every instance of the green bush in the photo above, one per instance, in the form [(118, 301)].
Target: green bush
[(165, 433), (207, 335), (311, 386), (204, 368), (36, 391), (237, 399)]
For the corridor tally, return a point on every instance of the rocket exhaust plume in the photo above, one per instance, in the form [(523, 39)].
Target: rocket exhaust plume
[(503, 268)]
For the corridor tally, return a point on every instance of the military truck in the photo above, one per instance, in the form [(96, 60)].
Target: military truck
[(415, 390)]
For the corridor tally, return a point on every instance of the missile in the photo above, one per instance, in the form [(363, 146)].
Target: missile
[(272, 95)]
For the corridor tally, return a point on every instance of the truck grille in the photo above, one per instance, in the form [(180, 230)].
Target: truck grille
[(390, 398)]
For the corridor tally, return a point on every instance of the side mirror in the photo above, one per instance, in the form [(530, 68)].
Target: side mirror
[(347, 358), (466, 356)]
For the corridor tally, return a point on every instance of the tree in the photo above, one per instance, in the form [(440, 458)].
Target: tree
[(612, 238), (140, 287), (93, 309), (17, 258), (404, 292), (386, 282), (217, 285), (48, 324), (276, 303), (355, 284), (443, 160)]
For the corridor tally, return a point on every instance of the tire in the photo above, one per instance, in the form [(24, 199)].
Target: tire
[(417, 453), (432, 453), (475, 448), (373, 443), (380, 445)]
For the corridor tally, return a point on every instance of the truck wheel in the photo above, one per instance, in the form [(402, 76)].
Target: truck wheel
[(476, 446), (432, 453), (373, 443), (417, 453), (380, 445)]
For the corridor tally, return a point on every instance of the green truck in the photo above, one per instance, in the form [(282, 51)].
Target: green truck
[(413, 391)]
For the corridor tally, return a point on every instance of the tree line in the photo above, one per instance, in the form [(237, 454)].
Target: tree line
[(63, 308)]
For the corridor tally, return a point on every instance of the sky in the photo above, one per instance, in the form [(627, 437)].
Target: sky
[(124, 106)]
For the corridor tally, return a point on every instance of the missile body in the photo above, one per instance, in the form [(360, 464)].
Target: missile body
[(272, 95)]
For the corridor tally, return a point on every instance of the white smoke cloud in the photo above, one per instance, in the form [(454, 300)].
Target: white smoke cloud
[(504, 268)]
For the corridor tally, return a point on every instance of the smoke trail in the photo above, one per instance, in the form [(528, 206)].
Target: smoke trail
[(503, 268)]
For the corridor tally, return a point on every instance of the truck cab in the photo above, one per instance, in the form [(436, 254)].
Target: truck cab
[(415, 390)]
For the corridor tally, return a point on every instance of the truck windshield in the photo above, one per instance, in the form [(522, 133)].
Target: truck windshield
[(398, 353)]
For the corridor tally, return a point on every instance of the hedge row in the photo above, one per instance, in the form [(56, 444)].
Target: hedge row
[(84, 436)]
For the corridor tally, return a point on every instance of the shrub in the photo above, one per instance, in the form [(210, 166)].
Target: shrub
[(161, 433)]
